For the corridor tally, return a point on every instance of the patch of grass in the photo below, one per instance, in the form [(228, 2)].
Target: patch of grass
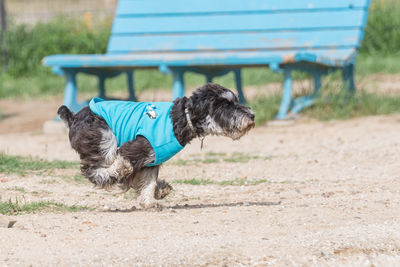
[(15, 207), (215, 154), (180, 162), (240, 157), (375, 63), (244, 182), (214, 157), (48, 181), (22, 165), (342, 105), (194, 181), (265, 108), (16, 188), (382, 33), (210, 160), (334, 104), (131, 194), (79, 178), (238, 182), (41, 192)]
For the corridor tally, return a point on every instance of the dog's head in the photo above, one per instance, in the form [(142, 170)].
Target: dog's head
[(218, 112)]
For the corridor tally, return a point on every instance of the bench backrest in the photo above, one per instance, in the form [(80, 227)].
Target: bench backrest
[(209, 25)]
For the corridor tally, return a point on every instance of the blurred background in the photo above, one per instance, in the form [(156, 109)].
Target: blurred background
[(33, 29)]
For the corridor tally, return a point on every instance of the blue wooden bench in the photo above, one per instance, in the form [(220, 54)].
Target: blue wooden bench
[(215, 37)]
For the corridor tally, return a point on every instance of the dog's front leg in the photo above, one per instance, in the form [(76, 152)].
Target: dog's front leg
[(143, 179), (145, 183)]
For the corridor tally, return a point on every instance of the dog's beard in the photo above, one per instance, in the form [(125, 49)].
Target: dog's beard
[(237, 126)]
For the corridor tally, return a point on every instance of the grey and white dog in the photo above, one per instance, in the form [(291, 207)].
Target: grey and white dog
[(211, 110)]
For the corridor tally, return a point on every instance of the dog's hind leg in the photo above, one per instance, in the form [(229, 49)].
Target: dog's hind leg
[(117, 166)]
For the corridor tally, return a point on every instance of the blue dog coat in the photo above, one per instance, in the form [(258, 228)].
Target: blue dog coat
[(151, 120)]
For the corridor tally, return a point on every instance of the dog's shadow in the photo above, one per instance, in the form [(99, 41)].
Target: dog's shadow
[(200, 206)]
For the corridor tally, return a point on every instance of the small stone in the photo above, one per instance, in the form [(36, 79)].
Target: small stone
[(43, 235), (325, 255), (6, 222), (4, 180)]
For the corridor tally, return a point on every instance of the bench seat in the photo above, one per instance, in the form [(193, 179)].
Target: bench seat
[(329, 57)]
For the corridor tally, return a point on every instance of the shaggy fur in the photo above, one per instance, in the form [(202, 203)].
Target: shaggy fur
[(213, 109)]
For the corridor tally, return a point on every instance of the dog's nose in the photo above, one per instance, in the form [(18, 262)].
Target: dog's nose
[(252, 117)]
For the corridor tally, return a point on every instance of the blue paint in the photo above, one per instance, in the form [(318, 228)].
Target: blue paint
[(302, 102), (238, 79), (131, 88), (234, 41), (178, 86), (239, 22), (152, 8), (336, 57), (102, 91), (287, 95), (348, 77)]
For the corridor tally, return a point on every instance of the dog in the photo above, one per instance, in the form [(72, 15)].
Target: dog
[(115, 152)]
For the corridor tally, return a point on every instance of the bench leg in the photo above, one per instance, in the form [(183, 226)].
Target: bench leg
[(102, 90), (238, 79), (305, 101), (209, 78), (178, 87), (348, 78), (131, 87), (286, 97), (71, 92)]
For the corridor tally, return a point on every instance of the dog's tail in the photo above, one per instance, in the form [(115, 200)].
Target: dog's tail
[(66, 115)]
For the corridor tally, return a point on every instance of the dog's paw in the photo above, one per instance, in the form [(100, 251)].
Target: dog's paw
[(126, 170), (162, 189)]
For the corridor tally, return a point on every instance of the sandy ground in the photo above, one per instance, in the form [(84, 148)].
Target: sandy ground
[(329, 194)]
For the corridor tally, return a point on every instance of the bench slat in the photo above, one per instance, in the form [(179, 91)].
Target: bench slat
[(233, 41), (240, 22), (143, 7), (331, 57)]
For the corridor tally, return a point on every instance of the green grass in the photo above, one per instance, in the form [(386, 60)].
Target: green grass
[(341, 105), (214, 157), (194, 181), (368, 64), (333, 104), (19, 189), (49, 181), (240, 157), (80, 179), (236, 182), (382, 34), (15, 207), (22, 165), (131, 194), (265, 108)]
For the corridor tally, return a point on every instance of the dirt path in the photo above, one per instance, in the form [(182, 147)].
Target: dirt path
[(307, 193)]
